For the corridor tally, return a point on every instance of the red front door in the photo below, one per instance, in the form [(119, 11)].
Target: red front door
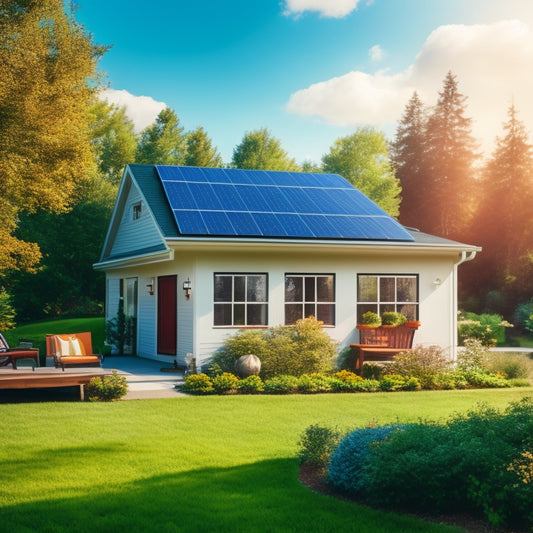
[(167, 324)]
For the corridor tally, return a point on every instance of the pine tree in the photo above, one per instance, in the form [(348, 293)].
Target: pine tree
[(448, 165), (200, 151), (503, 225), (407, 153), (162, 143)]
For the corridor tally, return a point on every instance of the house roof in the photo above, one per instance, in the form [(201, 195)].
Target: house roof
[(204, 205), (269, 204)]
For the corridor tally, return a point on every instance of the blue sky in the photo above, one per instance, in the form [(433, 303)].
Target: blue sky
[(312, 70)]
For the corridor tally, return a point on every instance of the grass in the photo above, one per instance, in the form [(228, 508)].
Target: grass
[(194, 464)]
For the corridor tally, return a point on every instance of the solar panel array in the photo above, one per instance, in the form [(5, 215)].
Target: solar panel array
[(257, 203)]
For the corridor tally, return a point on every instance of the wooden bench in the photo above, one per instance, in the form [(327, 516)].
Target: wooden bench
[(72, 350), (381, 344)]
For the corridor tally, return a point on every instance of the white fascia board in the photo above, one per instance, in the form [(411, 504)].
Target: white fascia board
[(146, 259)]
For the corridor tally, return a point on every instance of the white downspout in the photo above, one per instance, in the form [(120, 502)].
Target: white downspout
[(465, 257)]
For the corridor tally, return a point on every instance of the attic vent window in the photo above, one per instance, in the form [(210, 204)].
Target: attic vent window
[(137, 210)]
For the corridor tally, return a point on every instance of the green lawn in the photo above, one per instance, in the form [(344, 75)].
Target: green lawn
[(194, 464)]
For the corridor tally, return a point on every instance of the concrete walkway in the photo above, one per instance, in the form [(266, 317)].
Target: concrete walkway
[(145, 377)]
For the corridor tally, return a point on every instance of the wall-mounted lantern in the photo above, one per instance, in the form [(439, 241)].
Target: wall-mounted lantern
[(187, 288), (437, 282), (150, 287)]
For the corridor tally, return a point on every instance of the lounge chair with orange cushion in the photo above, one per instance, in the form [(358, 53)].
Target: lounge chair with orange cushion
[(12, 355), (72, 350)]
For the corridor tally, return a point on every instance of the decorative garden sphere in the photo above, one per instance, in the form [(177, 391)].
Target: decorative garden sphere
[(248, 365)]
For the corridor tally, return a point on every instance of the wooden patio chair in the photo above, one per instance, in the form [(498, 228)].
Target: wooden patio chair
[(72, 350), (12, 355)]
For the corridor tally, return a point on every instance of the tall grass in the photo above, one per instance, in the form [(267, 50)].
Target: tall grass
[(194, 464)]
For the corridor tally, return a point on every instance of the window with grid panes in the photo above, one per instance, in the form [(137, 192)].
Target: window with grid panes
[(387, 292), (310, 295), (240, 299)]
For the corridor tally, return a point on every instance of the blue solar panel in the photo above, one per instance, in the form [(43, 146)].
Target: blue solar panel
[(255, 203)]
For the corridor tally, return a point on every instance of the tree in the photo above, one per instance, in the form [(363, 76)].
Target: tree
[(363, 159), (113, 139), (200, 152), (162, 143), (407, 153), (47, 63), (503, 224), (449, 174), (260, 151)]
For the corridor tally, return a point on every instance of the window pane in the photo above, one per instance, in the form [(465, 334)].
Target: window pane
[(293, 289), (362, 309), (324, 289), (239, 290), (309, 289), (222, 315), (256, 314), (386, 290), (326, 313), (406, 290), (257, 290), (385, 308), (409, 310), (309, 310), (238, 315), (367, 289), (293, 312), (223, 289)]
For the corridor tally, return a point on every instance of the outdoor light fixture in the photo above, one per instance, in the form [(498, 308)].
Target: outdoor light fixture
[(150, 287), (437, 282), (187, 288)]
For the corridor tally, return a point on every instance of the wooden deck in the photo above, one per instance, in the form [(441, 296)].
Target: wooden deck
[(46, 377)]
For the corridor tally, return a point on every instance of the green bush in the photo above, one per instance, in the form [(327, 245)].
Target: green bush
[(395, 382), (7, 311), (474, 356), (251, 385), (281, 385), (475, 462), (481, 379), (314, 383), (198, 384), (393, 318), (107, 388), (422, 362), (522, 314), (511, 365), (347, 376), (372, 371), (225, 383), (303, 348), (317, 444), (371, 319), (489, 329)]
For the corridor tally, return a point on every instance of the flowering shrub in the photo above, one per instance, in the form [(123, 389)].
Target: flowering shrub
[(225, 383), (198, 384), (489, 329), (107, 388)]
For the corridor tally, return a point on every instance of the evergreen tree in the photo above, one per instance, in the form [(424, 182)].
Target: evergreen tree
[(407, 152), (503, 224), (258, 150), (200, 151), (363, 159), (47, 70), (449, 174), (162, 143)]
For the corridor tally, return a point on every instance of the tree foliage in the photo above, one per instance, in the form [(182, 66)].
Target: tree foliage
[(363, 159), (258, 150), (46, 64), (200, 151), (113, 139), (162, 143), (448, 174)]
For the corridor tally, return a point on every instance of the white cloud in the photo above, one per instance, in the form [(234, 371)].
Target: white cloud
[(376, 53), (493, 67), (326, 8), (142, 110)]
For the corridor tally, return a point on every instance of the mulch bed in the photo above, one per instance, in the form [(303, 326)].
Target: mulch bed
[(312, 477)]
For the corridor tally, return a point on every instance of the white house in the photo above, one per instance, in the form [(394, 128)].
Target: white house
[(199, 253)]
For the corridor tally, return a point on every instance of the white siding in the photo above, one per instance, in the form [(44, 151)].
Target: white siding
[(136, 234)]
